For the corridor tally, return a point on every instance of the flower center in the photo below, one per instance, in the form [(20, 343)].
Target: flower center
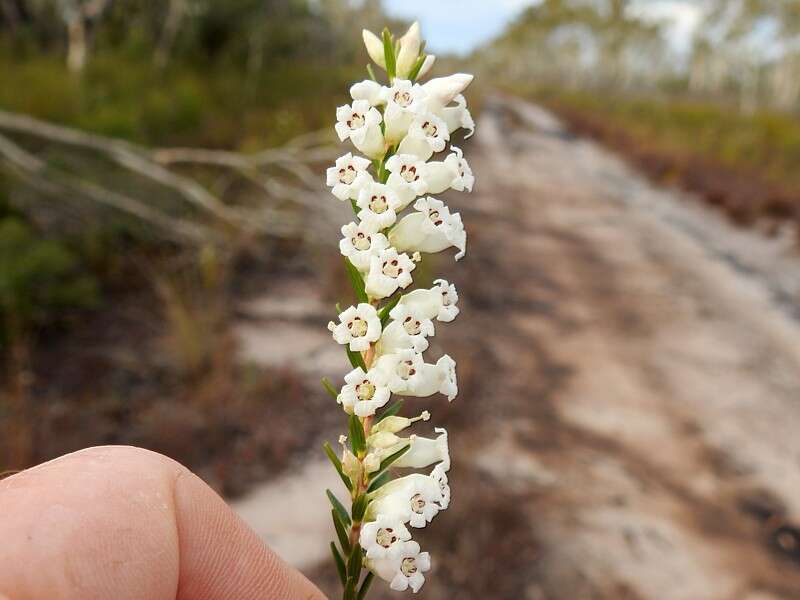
[(406, 369), (417, 503), (347, 175), (392, 269), (378, 204), (409, 173), (357, 327), (403, 99), (412, 326), (385, 537), (408, 566), (361, 241), (434, 216), (356, 121), (365, 390), (430, 129)]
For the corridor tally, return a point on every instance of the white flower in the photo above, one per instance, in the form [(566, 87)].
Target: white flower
[(409, 51), (443, 90), (364, 393), (395, 423), (361, 123), (408, 375), (360, 242), (379, 205), (406, 177), (383, 537), (431, 229), (439, 302), (348, 176), (464, 179), (413, 499), (404, 570), (367, 90), (374, 47), (387, 272), (458, 116), (427, 65), (404, 100), (425, 452), (358, 326), (406, 331), (439, 475), (426, 134)]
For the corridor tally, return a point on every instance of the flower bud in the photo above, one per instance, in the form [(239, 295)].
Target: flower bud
[(409, 51), (374, 47), (443, 90), (427, 65)]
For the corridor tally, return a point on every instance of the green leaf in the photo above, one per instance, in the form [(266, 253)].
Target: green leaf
[(339, 508), (356, 280), (362, 593), (387, 308), (412, 76), (393, 409), (337, 558), (371, 73), (357, 439), (378, 481), (385, 464), (354, 566), (326, 383), (355, 358), (340, 532), (337, 464), (359, 508), (338, 308), (356, 209), (389, 55)]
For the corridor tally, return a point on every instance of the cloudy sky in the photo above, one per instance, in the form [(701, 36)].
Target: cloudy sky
[(461, 25)]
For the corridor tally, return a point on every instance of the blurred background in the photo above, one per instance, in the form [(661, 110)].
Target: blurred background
[(629, 345)]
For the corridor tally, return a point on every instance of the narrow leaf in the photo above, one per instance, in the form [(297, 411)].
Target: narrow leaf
[(389, 55), (355, 358), (378, 481), (382, 470), (412, 76), (354, 566), (393, 409), (356, 280), (359, 508), (339, 508), (357, 439), (326, 383), (337, 464), (337, 558), (384, 312), (339, 308), (362, 593), (356, 209), (340, 532), (371, 73)]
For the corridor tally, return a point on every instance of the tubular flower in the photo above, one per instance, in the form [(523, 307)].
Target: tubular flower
[(413, 499), (379, 205), (406, 331), (358, 326), (427, 134), (431, 229), (360, 242), (360, 122), (388, 271), (364, 393), (348, 176), (384, 537), (407, 177), (424, 452), (405, 570), (396, 125)]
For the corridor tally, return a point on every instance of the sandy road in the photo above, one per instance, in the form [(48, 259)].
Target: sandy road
[(630, 369)]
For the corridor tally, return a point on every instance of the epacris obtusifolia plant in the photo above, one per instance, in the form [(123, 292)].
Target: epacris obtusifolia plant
[(398, 127)]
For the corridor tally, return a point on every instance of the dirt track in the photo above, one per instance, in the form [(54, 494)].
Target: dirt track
[(629, 424)]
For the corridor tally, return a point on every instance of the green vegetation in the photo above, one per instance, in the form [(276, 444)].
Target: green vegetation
[(767, 142)]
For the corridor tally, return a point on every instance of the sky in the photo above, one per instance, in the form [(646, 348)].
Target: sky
[(459, 26)]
